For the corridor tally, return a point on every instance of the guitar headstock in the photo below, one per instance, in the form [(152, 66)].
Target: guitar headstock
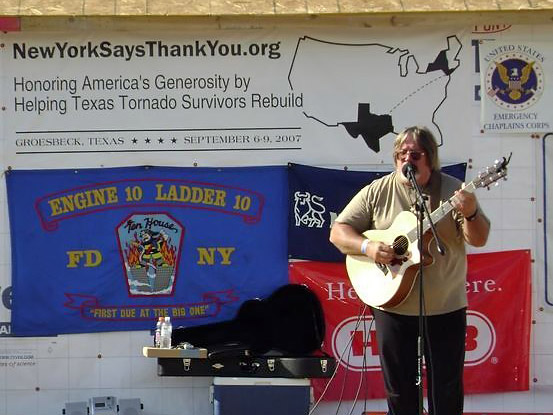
[(492, 173)]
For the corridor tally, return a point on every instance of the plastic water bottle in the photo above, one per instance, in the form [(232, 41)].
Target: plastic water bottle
[(166, 331), (157, 333)]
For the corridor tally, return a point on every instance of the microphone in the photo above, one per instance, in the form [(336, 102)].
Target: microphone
[(408, 169)]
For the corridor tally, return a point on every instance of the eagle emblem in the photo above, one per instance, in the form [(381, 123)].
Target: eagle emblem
[(514, 82)]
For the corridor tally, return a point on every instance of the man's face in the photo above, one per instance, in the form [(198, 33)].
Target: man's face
[(411, 152), (145, 236)]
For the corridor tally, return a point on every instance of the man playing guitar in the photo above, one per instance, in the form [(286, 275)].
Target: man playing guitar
[(367, 231)]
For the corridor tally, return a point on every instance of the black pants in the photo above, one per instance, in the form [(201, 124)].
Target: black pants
[(444, 356)]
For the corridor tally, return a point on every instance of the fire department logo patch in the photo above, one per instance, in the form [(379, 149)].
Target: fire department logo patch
[(514, 81), (150, 247)]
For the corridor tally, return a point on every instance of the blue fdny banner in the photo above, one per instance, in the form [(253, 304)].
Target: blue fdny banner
[(113, 249), (316, 196)]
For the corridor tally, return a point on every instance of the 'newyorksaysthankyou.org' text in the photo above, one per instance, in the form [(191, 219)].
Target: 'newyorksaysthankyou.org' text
[(146, 49)]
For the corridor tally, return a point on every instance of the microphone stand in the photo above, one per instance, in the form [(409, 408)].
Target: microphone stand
[(422, 210)]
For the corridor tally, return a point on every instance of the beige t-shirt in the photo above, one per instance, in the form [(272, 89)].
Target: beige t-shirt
[(377, 205)]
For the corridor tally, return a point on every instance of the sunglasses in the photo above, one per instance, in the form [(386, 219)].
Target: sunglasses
[(415, 155)]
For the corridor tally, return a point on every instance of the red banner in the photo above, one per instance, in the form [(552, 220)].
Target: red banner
[(498, 327)]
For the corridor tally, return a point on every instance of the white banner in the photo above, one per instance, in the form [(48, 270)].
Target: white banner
[(253, 97), (515, 97)]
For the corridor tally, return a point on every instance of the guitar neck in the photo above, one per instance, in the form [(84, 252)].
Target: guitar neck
[(440, 212)]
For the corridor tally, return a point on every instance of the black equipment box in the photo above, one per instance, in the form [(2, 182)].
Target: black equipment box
[(275, 396), (249, 366)]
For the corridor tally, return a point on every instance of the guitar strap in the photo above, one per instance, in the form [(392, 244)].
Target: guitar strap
[(434, 190)]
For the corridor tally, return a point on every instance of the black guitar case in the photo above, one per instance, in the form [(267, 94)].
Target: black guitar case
[(290, 321), (279, 336)]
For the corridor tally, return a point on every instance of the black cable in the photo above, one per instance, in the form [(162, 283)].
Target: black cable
[(339, 359)]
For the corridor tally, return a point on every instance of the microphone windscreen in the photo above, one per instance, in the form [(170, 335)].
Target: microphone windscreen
[(408, 167)]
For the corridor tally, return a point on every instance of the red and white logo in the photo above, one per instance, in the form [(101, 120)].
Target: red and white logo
[(354, 342), (480, 339)]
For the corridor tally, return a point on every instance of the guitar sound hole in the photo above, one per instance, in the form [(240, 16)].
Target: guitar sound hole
[(400, 245)]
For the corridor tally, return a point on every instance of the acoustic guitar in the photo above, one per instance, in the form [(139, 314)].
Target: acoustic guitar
[(388, 285)]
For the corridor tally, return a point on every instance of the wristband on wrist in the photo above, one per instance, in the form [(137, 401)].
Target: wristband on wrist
[(364, 245), (472, 217)]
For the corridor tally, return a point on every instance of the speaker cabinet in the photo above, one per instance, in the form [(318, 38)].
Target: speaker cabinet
[(103, 405), (75, 408), (130, 407)]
